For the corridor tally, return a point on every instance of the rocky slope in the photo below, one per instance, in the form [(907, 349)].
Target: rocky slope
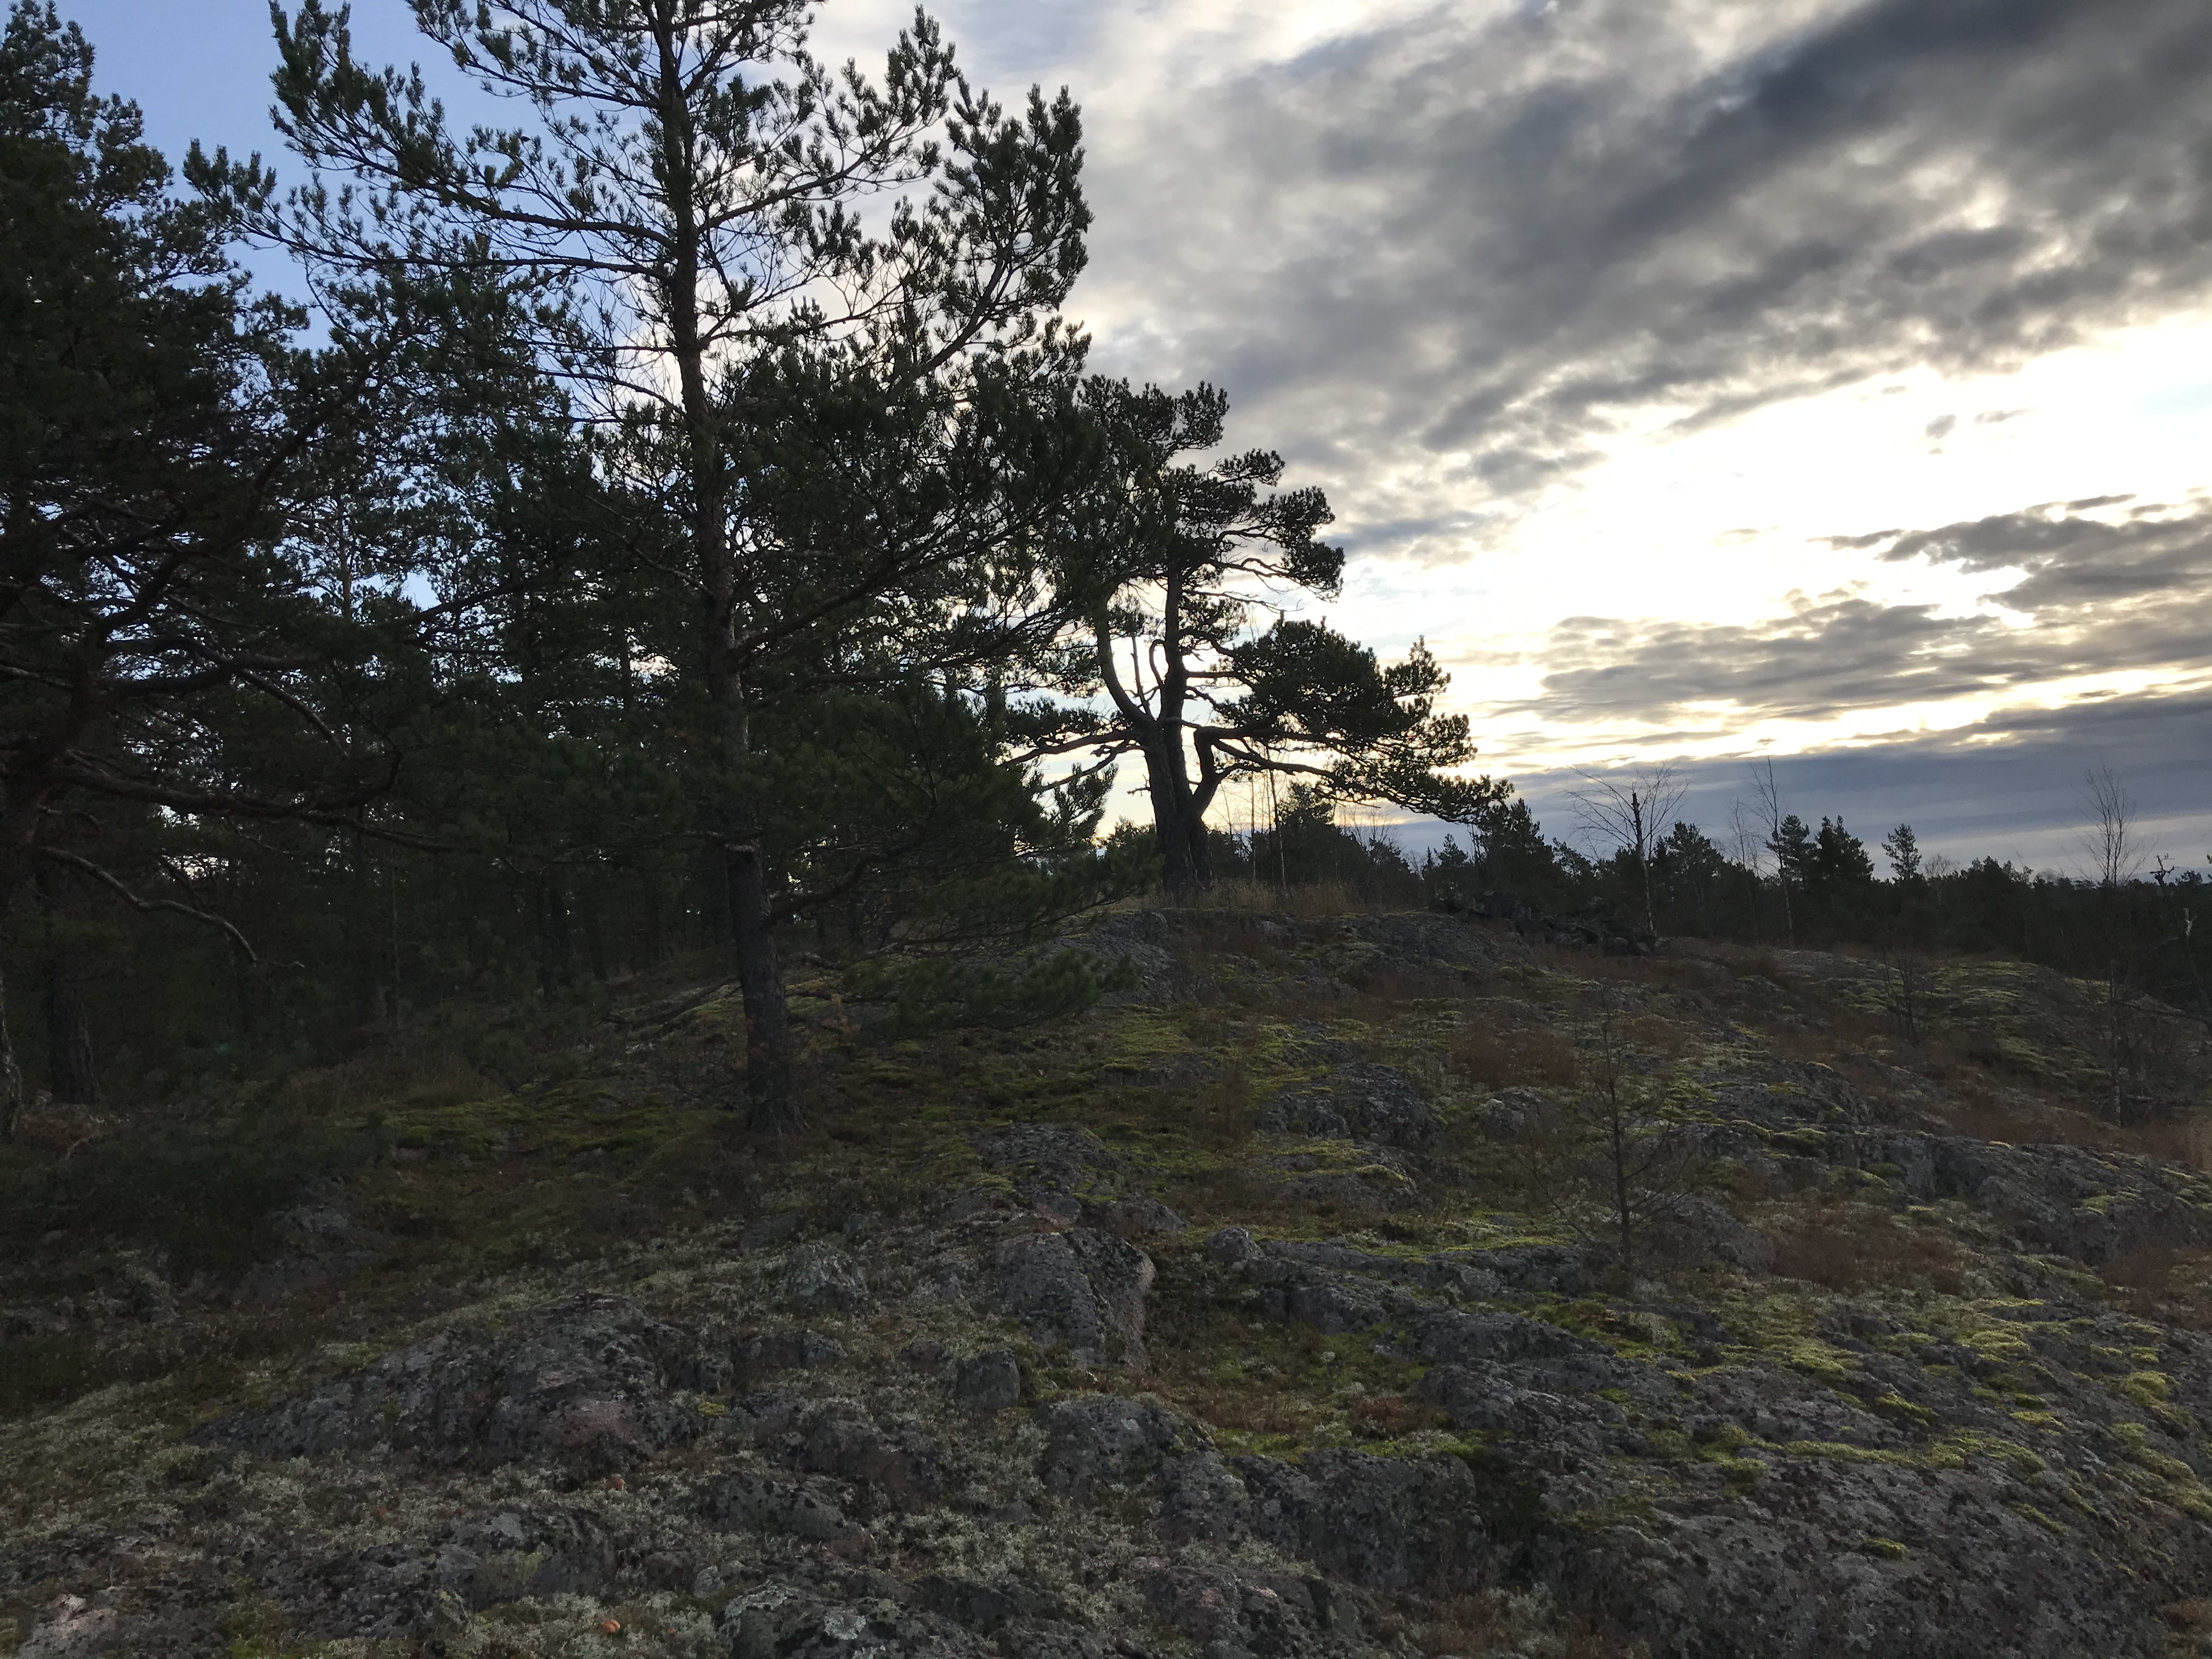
[(1269, 1308)]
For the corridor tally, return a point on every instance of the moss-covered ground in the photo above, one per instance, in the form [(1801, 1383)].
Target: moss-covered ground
[(165, 1266)]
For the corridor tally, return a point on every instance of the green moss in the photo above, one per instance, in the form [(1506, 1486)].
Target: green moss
[(1996, 1342), (2147, 1389), (257, 1629), (2013, 1455), (1742, 1473), (1897, 1405), (2172, 1468), (1842, 1452), (2056, 1528), (1887, 1548), (2197, 1503), (1817, 1359)]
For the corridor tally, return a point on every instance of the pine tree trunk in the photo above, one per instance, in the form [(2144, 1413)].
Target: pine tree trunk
[(11, 1075), (731, 823), (70, 1076), (242, 986), (70, 1072), (655, 950), (1186, 867), (771, 1100), (553, 941), (595, 934), (20, 810)]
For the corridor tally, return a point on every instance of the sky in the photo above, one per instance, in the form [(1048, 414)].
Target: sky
[(1713, 381)]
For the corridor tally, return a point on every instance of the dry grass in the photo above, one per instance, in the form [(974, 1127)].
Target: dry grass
[(66, 1130), (1187, 1373), (1655, 1034), (1849, 1250), (1247, 1408), (2184, 1141), (1499, 1057), (1464, 1625), (1217, 1115), (1846, 1035), (1249, 1198), (1390, 1416), (2193, 1615), (1577, 962), (1987, 1111), (1300, 1000), (1696, 973), (2160, 1282), (1399, 988), (1746, 962)]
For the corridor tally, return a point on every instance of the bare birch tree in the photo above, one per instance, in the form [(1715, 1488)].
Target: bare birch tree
[(1631, 814)]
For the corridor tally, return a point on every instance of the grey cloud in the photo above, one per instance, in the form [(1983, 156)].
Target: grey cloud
[(1486, 234), (2102, 596), (1847, 654), (2073, 560)]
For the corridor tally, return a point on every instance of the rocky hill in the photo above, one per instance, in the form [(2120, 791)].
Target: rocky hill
[(1278, 1304)]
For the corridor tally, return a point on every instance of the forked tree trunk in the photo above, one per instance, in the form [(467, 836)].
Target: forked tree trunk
[(1186, 859)]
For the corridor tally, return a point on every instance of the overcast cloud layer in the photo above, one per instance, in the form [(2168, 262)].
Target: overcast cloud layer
[(1500, 234), (2078, 596)]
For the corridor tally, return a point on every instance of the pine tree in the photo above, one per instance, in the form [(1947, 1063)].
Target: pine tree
[(686, 203), (1159, 561), (161, 648), (1902, 848)]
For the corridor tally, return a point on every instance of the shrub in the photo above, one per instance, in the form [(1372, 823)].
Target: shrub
[(203, 1195)]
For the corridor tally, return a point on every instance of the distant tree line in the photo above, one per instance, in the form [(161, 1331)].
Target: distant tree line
[(2135, 929)]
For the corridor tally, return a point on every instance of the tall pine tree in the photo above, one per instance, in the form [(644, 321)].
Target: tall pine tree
[(684, 188)]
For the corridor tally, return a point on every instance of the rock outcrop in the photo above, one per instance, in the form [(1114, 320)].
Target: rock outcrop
[(1228, 1319)]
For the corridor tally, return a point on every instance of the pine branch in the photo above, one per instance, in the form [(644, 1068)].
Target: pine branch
[(146, 907)]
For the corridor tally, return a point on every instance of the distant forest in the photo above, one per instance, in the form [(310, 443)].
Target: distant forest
[(684, 529), (1822, 890)]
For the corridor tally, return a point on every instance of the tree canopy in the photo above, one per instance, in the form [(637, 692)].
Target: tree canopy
[(1164, 566)]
